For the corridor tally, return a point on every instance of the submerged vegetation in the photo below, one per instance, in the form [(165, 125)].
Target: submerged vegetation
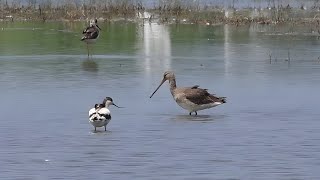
[(162, 11)]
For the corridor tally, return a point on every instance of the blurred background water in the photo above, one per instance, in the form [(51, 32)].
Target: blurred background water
[(268, 129)]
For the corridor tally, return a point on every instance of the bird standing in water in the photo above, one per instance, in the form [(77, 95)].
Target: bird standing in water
[(91, 33), (192, 98), (100, 115)]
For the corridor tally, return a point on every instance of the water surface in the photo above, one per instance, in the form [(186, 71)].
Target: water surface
[(269, 128)]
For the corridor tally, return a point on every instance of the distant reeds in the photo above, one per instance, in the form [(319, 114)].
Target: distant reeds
[(162, 11)]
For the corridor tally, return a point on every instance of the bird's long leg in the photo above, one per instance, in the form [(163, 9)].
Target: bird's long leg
[(95, 129), (196, 112), (88, 49), (105, 128), (91, 51)]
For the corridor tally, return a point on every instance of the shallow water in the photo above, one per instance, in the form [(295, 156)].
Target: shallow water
[(268, 129)]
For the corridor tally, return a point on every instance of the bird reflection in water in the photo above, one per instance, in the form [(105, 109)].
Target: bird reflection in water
[(199, 118), (89, 65)]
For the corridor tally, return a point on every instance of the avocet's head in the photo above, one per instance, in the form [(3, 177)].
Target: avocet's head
[(108, 101), (168, 75), (94, 23)]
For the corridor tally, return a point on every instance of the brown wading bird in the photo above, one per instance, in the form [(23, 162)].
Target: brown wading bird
[(91, 33), (193, 98)]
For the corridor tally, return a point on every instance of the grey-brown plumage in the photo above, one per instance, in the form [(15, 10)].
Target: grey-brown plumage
[(192, 98)]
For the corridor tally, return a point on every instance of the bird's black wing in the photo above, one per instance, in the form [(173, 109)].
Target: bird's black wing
[(94, 34)]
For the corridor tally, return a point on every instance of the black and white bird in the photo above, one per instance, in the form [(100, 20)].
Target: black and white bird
[(91, 33), (100, 115)]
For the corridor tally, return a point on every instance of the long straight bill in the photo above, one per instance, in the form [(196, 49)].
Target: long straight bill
[(98, 27), (163, 80), (116, 105)]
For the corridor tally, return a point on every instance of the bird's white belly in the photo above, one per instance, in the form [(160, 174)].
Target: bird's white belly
[(99, 123)]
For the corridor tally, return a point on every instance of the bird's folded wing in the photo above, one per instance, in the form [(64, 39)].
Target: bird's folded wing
[(92, 111), (198, 96)]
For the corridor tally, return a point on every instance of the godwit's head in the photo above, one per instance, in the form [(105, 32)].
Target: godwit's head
[(108, 101), (168, 75)]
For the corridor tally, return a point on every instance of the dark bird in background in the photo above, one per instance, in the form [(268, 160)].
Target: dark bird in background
[(91, 33)]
